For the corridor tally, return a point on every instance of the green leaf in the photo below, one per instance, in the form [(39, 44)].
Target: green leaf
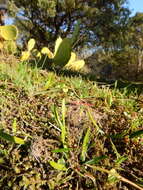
[(50, 82), (75, 65), (57, 44), (117, 136), (31, 44), (63, 53), (136, 134), (61, 150), (25, 55), (85, 145), (57, 166), (9, 32), (96, 160), (111, 177), (120, 160), (61, 161), (46, 51), (72, 58), (10, 138)]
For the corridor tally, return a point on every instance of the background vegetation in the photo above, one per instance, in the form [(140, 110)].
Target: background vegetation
[(105, 25)]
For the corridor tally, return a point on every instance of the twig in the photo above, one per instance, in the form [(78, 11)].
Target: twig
[(116, 175), (55, 126)]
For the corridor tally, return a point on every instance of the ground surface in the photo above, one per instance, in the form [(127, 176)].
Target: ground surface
[(78, 134)]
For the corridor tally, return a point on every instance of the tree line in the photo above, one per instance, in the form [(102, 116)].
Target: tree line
[(104, 24)]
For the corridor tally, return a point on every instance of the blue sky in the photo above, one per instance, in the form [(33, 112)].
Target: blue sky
[(136, 6)]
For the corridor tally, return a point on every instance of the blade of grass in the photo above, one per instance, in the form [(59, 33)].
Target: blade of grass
[(63, 111), (10, 138), (96, 160), (85, 145), (61, 150), (57, 166), (14, 126), (57, 117), (115, 150), (61, 124), (94, 122), (136, 134)]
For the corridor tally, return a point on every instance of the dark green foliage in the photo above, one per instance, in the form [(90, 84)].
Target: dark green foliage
[(102, 22), (136, 134)]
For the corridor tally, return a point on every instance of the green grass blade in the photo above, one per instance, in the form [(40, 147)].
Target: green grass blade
[(120, 160), (94, 122), (85, 145), (112, 179), (14, 126), (57, 116), (57, 166), (63, 111), (136, 134), (10, 138), (61, 124), (63, 127), (50, 82), (96, 160), (66, 150), (115, 150)]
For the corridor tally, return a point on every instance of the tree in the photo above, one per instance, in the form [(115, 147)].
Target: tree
[(128, 59), (135, 38), (102, 21), (3, 11)]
